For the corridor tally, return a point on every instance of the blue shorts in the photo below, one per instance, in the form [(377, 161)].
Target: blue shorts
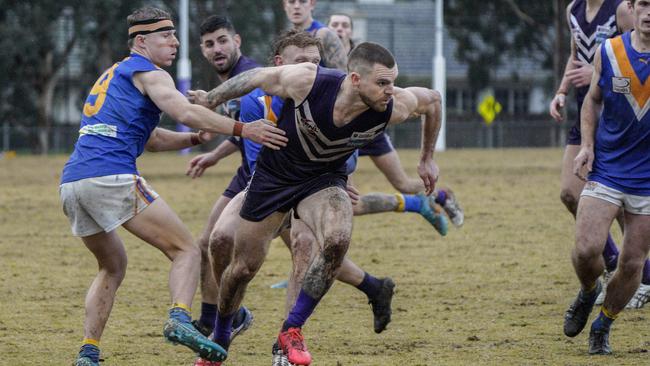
[(238, 183), (267, 194), (379, 146)]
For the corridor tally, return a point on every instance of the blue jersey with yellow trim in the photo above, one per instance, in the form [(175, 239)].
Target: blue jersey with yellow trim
[(622, 144), (254, 106), (116, 123)]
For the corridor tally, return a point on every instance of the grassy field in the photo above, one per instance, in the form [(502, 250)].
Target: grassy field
[(493, 292)]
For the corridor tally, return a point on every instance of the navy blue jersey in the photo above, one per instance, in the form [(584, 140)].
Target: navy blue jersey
[(316, 146), (587, 36)]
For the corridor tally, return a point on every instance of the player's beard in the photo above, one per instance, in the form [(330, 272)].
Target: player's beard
[(230, 63), (375, 106)]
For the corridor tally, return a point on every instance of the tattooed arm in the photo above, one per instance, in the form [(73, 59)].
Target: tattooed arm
[(289, 81), (333, 51)]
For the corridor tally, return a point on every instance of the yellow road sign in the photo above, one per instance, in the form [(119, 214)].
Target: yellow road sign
[(489, 108)]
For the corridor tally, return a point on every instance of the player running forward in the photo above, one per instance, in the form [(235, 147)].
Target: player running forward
[(591, 22), (614, 157), (327, 115), (102, 190)]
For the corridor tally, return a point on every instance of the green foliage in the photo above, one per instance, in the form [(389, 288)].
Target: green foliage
[(39, 37), (497, 30)]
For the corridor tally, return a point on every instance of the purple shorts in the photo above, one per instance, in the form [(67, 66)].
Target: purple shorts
[(379, 146), (237, 184), (267, 194)]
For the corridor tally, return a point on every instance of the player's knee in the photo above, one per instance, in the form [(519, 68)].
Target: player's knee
[(585, 251), (336, 245), (220, 242), (204, 242), (115, 269), (244, 271), (569, 199), (630, 265)]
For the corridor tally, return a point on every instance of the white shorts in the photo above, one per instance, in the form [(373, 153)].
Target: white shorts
[(104, 203), (638, 205)]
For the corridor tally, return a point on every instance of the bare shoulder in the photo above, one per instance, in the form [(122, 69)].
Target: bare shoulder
[(325, 32), (146, 80), (404, 104), (298, 79)]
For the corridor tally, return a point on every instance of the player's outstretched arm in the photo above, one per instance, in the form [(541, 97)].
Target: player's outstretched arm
[(198, 164), (162, 139), (413, 102), (288, 81), (159, 86), (588, 120)]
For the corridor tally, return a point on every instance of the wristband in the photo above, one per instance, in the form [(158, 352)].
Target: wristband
[(237, 128), (561, 92), (194, 139)]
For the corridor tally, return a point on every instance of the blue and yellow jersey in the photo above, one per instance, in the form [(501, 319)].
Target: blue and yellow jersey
[(254, 106), (116, 123), (622, 144)]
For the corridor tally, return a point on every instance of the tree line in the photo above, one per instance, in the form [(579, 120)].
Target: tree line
[(43, 39)]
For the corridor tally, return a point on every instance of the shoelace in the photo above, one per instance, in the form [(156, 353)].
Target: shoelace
[(296, 339)]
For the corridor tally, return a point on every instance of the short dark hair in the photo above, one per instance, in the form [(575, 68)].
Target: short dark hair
[(364, 56), (143, 14), (295, 37), (215, 22), (341, 14)]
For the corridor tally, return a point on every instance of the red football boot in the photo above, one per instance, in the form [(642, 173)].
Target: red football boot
[(293, 346)]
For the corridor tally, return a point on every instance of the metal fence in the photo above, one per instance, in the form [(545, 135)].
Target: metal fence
[(467, 132)]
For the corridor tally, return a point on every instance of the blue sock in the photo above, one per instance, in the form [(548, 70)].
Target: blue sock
[(370, 285), (208, 314), (300, 312), (645, 279), (91, 351), (180, 314), (610, 254), (222, 329), (412, 203), (441, 198), (603, 322)]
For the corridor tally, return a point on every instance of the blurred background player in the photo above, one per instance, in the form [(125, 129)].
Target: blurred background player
[(220, 46), (342, 25), (591, 22), (299, 13), (615, 158)]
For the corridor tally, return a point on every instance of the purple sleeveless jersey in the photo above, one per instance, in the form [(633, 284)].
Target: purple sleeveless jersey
[(315, 156)]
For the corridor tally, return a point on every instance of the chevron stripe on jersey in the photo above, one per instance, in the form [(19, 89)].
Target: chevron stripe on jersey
[(320, 148), (587, 43), (639, 92), (269, 114)]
